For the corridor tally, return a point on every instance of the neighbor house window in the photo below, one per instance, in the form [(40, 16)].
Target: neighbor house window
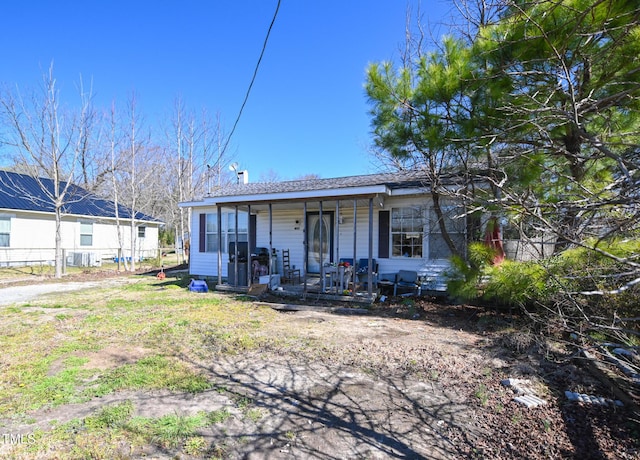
[(86, 234), (142, 231), (407, 232), (5, 231), (454, 223)]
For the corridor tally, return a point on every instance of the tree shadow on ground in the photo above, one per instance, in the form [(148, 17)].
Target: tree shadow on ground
[(317, 411)]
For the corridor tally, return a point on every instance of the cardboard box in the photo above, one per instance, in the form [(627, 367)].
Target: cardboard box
[(272, 280)]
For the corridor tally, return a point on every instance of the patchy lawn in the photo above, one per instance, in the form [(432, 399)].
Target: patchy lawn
[(148, 369)]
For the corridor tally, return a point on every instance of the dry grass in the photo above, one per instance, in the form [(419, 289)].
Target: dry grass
[(160, 372)]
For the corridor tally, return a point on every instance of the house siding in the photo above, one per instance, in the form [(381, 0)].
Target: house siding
[(32, 238), (288, 233)]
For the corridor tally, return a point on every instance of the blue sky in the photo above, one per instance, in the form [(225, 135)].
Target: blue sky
[(307, 111)]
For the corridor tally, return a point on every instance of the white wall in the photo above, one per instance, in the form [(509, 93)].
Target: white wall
[(33, 237), (287, 234)]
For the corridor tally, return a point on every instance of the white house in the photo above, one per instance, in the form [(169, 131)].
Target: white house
[(89, 227), (387, 219)]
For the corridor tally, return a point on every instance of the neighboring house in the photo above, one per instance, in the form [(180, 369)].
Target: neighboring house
[(89, 227), (386, 217)]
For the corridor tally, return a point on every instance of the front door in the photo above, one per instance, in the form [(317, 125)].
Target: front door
[(318, 258)]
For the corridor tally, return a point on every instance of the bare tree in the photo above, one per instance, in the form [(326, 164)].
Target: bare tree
[(195, 165), (138, 171), (47, 141)]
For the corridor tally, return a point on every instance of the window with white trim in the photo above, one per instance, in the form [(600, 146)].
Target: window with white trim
[(211, 233), (407, 231), (142, 230), (228, 230), (243, 227), (86, 233), (5, 231)]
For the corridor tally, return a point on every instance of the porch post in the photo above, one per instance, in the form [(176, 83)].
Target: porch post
[(321, 239), (249, 271), (270, 243), (370, 271), (305, 245), (235, 250), (337, 251), (355, 241), (219, 219), (321, 233)]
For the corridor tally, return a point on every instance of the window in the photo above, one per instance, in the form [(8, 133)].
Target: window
[(407, 232), (455, 226), (211, 231), (86, 234), (243, 227), (228, 230), (142, 231), (5, 231)]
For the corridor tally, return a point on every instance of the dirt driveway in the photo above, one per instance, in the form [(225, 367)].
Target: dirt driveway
[(27, 291)]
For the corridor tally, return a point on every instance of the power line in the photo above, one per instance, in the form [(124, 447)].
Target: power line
[(253, 79)]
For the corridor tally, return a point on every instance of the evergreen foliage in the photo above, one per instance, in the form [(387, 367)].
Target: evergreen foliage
[(542, 105)]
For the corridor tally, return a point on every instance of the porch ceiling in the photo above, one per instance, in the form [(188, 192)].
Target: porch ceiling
[(328, 204)]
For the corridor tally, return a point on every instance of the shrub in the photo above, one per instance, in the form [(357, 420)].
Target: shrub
[(552, 282), (517, 283), (465, 275)]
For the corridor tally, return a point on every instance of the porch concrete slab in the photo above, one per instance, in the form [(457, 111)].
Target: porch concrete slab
[(298, 307)]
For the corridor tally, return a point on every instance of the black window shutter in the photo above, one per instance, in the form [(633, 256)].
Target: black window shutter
[(252, 233), (383, 234), (203, 233)]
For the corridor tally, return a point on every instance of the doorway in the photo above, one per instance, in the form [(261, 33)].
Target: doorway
[(316, 259)]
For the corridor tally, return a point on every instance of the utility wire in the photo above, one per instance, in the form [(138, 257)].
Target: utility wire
[(253, 79)]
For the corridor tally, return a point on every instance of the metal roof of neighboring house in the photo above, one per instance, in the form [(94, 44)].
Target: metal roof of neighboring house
[(22, 192)]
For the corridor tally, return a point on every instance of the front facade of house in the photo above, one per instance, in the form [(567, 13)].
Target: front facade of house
[(387, 218), (89, 229)]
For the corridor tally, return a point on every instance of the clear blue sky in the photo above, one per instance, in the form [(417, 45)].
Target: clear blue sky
[(307, 111)]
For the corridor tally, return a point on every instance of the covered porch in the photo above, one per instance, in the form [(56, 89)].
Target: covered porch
[(319, 248), (346, 238)]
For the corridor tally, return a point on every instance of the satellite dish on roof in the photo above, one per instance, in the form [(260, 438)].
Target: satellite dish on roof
[(233, 167)]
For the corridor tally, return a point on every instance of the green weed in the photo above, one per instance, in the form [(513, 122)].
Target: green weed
[(482, 394), (254, 414), (171, 430), (153, 372), (115, 416), (218, 416), (195, 445), (243, 402)]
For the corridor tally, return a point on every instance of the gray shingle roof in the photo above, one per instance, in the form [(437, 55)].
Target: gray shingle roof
[(391, 180), (22, 192)]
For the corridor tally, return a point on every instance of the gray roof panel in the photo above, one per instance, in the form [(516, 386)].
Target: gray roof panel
[(391, 180)]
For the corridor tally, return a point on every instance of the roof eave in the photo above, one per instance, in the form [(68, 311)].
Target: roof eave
[(79, 216), (370, 190)]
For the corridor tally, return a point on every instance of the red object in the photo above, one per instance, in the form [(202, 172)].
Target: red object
[(493, 239)]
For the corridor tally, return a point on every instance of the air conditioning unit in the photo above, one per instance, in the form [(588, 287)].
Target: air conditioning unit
[(83, 259)]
